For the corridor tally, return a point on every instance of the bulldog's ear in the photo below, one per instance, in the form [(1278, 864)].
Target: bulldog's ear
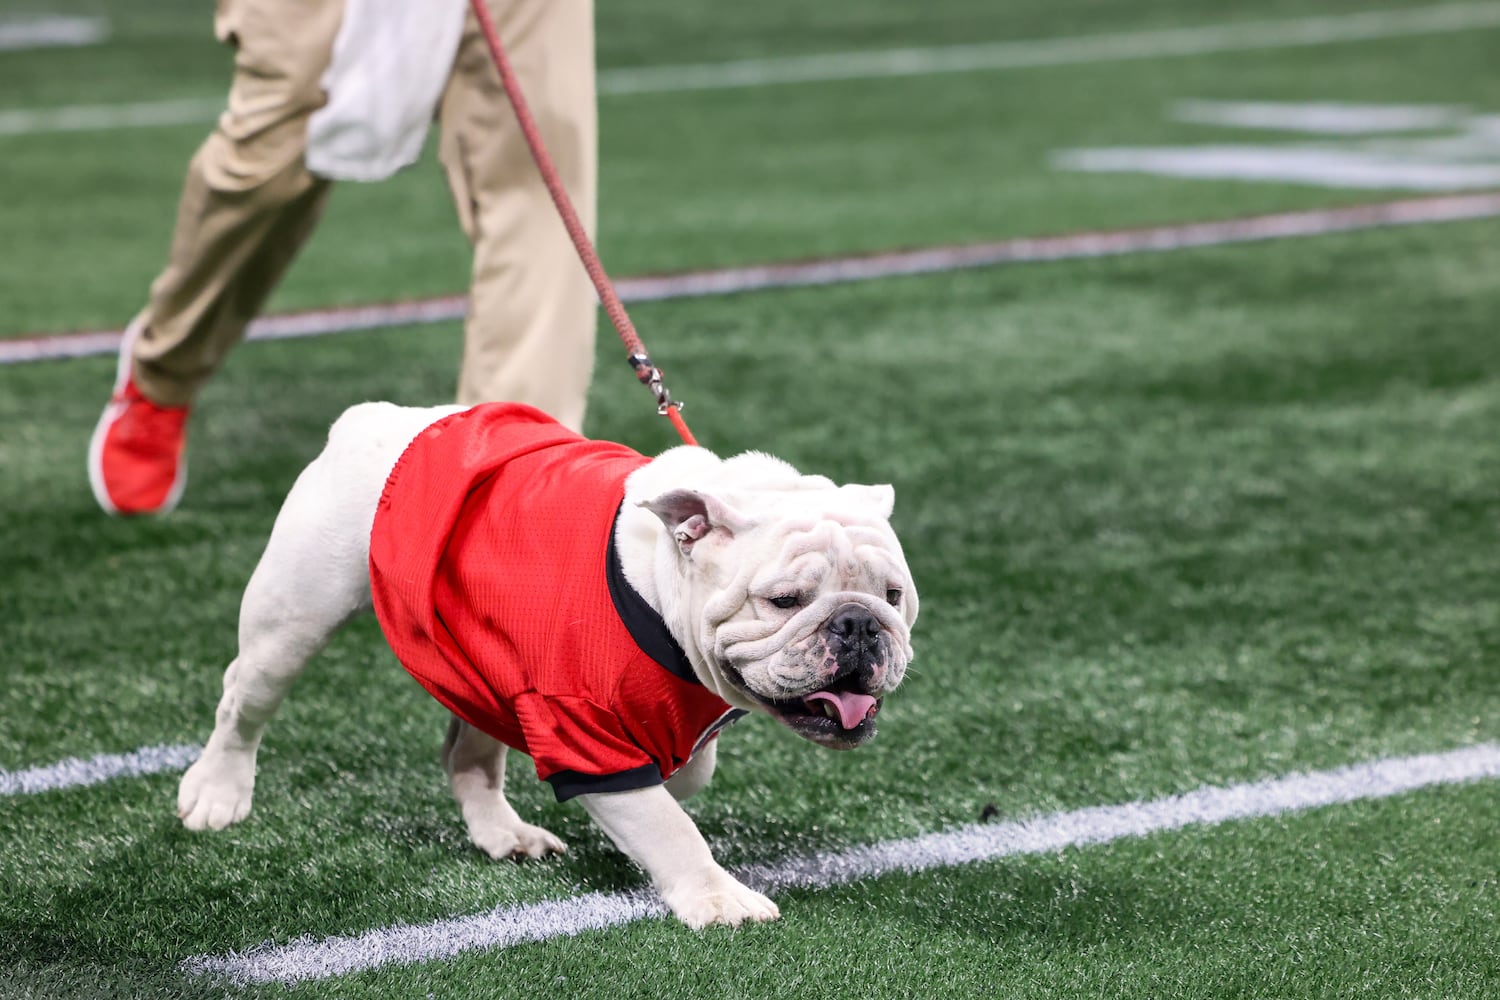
[(882, 497), (690, 516)]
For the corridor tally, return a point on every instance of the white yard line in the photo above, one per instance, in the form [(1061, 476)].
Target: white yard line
[(77, 772), (1321, 117), (692, 284), (308, 959), (1077, 50), (44, 31), (94, 117), (866, 65), (1323, 166)]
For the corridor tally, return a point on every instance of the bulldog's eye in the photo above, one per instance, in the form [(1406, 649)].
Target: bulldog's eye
[(786, 601), (893, 597)]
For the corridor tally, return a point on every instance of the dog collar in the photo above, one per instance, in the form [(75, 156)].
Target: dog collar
[(645, 625)]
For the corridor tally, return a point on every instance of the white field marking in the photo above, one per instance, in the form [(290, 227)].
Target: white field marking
[(75, 772), (1325, 118), (1124, 46), (827, 271), (41, 31), (925, 61), (1377, 147), (505, 926), (1313, 165), (92, 117)]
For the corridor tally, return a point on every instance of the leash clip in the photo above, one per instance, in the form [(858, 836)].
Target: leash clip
[(651, 377)]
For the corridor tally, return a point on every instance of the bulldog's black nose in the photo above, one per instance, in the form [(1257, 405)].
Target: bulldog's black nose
[(854, 625), (854, 639)]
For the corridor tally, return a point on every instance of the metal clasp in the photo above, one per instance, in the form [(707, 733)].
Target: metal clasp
[(651, 377)]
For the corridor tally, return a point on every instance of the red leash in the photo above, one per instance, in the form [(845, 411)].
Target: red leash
[(648, 374)]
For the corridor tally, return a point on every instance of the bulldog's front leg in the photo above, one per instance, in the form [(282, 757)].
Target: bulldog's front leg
[(649, 826)]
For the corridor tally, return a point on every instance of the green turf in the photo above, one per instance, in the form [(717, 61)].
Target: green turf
[(1191, 914), (713, 178), (1176, 520)]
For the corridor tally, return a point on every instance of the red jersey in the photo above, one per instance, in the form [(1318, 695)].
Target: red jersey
[(496, 582)]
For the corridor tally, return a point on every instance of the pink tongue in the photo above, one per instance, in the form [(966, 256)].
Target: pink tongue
[(853, 708)]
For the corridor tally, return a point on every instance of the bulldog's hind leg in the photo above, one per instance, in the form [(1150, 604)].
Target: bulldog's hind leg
[(311, 579), (475, 762), (309, 582)]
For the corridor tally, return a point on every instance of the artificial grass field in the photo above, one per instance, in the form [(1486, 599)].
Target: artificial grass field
[(709, 178), (1176, 520)]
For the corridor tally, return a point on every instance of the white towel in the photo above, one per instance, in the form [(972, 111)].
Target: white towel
[(390, 61)]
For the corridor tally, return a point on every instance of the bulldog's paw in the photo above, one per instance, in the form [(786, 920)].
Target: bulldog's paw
[(721, 901), (513, 840), (216, 791)]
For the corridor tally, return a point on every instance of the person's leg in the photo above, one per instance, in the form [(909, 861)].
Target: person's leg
[(248, 203), (529, 336), (247, 206)]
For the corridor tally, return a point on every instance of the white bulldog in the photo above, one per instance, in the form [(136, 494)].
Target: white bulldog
[(605, 613)]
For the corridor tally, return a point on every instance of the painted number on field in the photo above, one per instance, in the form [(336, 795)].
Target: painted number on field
[(1416, 147)]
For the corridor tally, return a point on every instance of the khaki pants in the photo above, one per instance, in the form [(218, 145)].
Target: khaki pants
[(249, 203)]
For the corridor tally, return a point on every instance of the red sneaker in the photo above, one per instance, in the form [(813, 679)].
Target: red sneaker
[(136, 459)]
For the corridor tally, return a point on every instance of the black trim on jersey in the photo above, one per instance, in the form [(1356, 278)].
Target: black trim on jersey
[(723, 722), (646, 627), (566, 784)]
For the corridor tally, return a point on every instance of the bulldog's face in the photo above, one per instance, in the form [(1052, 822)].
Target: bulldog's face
[(799, 597)]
